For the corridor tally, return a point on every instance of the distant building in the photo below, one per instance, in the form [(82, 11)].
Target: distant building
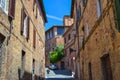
[(69, 44), (22, 39), (54, 38), (67, 21)]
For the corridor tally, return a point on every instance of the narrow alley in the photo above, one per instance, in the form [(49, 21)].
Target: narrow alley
[(59, 39)]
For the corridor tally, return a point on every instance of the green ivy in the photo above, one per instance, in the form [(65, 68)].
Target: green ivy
[(57, 54)]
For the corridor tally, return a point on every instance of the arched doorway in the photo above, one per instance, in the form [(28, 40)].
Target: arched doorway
[(62, 65)]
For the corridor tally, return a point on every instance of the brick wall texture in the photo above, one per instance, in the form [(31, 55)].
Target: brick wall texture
[(103, 39), (11, 61)]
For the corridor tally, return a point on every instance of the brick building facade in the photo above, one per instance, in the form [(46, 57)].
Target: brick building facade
[(22, 41), (69, 44), (54, 38), (69, 48), (97, 39)]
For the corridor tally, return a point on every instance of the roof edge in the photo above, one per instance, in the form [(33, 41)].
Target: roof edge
[(43, 9), (72, 8)]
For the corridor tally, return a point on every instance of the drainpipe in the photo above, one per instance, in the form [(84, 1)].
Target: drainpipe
[(11, 27), (7, 47)]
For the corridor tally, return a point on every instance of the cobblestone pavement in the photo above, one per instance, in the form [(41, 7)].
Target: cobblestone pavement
[(58, 75)]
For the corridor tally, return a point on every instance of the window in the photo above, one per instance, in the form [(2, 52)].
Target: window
[(60, 31), (36, 11), (68, 62), (84, 2), (78, 69), (34, 38), (0, 58), (90, 71), (33, 66), (82, 76), (117, 7), (22, 65), (49, 46), (79, 13), (47, 36), (65, 40), (106, 68), (25, 24), (12, 8), (70, 51), (69, 37), (2, 38), (81, 41), (99, 9), (52, 49), (87, 29), (34, 2), (4, 5), (51, 33)]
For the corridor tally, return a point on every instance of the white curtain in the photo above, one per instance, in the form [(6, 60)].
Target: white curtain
[(25, 27)]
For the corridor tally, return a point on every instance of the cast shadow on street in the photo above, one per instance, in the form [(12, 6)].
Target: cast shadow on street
[(28, 76)]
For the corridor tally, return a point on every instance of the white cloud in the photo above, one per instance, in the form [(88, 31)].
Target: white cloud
[(54, 17)]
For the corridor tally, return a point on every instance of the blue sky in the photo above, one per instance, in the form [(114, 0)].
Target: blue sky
[(55, 11)]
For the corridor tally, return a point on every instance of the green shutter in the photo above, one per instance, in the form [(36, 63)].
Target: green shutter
[(117, 6)]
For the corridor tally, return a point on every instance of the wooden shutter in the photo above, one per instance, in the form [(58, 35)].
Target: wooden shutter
[(22, 64), (11, 12), (90, 71), (28, 27), (22, 21), (36, 11), (34, 38), (106, 68)]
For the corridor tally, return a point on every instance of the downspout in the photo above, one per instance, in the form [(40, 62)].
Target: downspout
[(7, 47)]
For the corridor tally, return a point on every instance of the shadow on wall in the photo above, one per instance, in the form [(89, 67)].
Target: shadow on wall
[(28, 76)]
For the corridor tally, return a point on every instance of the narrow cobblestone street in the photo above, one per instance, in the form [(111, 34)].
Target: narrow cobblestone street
[(58, 75)]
